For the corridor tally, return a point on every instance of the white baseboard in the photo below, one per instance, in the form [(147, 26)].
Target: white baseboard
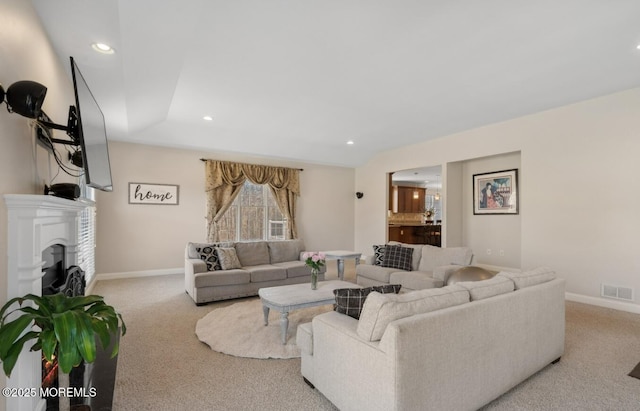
[(601, 302), (137, 274)]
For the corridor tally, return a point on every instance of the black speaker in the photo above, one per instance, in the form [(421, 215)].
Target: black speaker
[(64, 190)]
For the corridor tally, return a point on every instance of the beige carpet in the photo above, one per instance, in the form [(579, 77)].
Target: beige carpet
[(239, 330), (163, 366)]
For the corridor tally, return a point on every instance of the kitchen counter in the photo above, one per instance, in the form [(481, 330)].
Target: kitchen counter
[(415, 233), (410, 224)]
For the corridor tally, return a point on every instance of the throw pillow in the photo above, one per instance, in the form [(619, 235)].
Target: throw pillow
[(396, 256), (208, 255), (349, 301), (378, 251), (228, 258)]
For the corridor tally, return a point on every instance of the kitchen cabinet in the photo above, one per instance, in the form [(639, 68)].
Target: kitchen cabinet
[(406, 201), (412, 234), (395, 233)]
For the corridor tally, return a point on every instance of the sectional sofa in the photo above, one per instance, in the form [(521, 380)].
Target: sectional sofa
[(222, 271), (428, 266), (452, 348)]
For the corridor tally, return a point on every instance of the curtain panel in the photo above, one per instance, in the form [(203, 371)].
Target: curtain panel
[(224, 180)]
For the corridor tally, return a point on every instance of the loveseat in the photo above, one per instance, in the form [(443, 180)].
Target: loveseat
[(222, 271), (427, 266), (452, 348)]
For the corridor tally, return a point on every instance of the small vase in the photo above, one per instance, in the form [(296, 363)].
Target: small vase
[(314, 278)]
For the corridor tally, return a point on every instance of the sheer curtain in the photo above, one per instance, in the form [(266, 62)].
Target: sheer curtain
[(224, 180)]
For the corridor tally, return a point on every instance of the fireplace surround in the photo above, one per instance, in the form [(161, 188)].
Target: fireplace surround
[(35, 222)]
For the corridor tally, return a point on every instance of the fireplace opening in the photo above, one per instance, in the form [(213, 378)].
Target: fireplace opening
[(56, 278), (53, 270)]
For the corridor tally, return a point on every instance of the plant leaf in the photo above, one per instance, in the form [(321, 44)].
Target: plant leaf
[(48, 344), (64, 326), (86, 339), (9, 360), (11, 331)]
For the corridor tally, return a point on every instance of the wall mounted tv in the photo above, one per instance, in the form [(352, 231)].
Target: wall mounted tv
[(90, 134)]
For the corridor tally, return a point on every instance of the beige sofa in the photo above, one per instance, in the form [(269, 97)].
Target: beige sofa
[(430, 267), (452, 348), (261, 264)]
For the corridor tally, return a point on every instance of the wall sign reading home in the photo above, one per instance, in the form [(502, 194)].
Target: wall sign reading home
[(142, 193)]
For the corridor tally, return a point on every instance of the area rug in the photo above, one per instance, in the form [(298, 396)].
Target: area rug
[(239, 330)]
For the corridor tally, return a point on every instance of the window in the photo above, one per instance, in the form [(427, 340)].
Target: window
[(87, 234), (254, 215), (86, 242)]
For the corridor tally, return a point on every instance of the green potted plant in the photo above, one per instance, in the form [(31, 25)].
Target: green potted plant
[(65, 330)]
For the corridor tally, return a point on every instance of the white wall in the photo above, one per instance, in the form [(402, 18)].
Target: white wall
[(495, 239), (578, 177), (135, 238), (25, 54)]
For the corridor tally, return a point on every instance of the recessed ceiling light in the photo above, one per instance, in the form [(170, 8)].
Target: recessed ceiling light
[(103, 48), (350, 142), (207, 118)]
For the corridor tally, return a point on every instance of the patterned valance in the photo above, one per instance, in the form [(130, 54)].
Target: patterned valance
[(220, 173)]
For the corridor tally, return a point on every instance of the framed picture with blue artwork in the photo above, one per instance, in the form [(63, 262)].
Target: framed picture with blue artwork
[(496, 192)]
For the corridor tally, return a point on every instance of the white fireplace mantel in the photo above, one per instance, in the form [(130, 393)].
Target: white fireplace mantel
[(35, 222)]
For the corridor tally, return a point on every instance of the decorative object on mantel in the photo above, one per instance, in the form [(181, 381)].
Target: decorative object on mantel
[(143, 193), (66, 331), (315, 260), (496, 192)]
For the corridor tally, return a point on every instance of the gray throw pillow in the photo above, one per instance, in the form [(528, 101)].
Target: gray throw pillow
[(228, 258), (349, 301)]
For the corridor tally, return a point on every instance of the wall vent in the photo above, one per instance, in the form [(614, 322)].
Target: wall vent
[(619, 293)]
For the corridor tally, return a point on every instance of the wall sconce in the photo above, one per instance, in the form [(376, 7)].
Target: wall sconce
[(437, 196)]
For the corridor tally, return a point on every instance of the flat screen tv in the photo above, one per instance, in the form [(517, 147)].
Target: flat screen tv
[(90, 134)]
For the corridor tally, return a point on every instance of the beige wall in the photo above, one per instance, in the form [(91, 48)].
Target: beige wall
[(578, 178), (25, 54), (134, 238)]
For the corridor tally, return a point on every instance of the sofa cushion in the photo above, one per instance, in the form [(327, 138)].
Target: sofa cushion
[(253, 253), (381, 309), (396, 256), (529, 278), (266, 272), (479, 290), (296, 268), (349, 301), (374, 272), (227, 258), (220, 278), (433, 257), (378, 254), (285, 250), (414, 280)]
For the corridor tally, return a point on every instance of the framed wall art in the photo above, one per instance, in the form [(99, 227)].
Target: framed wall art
[(143, 193), (496, 192)]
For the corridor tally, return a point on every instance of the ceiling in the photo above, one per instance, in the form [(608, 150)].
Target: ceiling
[(296, 80)]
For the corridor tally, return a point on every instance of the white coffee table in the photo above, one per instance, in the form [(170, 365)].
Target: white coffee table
[(287, 298)]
